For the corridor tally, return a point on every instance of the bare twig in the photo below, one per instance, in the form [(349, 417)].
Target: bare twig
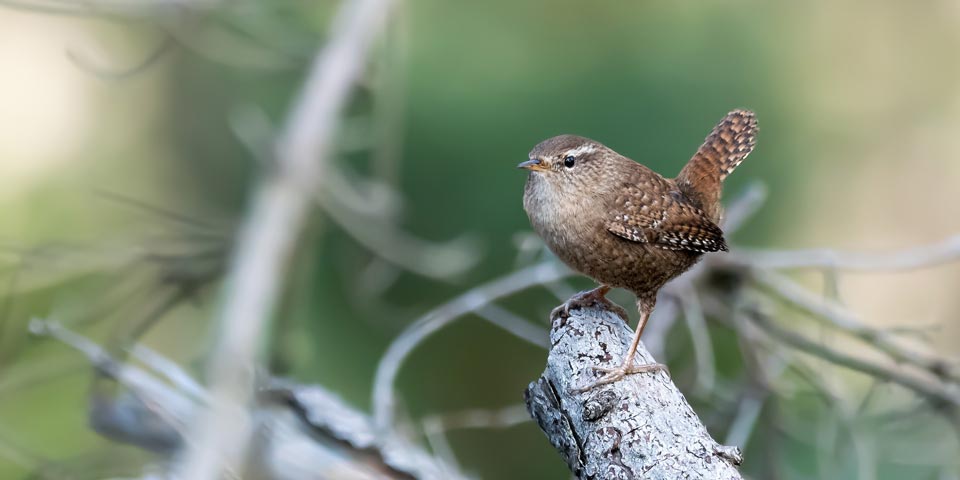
[(306, 431), (912, 258), (81, 60), (839, 317), (156, 415), (700, 336), (748, 411), (435, 427), (268, 237), (662, 322), (365, 210), (433, 260), (505, 417), (171, 371), (926, 385), (518, 326), (472, 301), (743, 207)]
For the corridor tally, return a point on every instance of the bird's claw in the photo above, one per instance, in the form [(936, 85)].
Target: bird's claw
[(613, 374), (589, 298)]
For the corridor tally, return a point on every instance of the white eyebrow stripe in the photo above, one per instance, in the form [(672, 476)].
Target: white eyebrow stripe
[(582, 149)]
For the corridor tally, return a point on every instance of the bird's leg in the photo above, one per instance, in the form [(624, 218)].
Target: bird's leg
[(597, 296), (627, 368)]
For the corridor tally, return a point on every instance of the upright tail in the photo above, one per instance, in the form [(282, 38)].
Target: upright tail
[(728, 144)]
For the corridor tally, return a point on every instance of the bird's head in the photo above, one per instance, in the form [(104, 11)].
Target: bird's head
[(569, 164)]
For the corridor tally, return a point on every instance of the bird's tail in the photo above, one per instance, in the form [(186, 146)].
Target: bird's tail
[(727, 145)]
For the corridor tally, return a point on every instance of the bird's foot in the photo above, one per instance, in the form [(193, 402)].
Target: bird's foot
[(615, 374), (589, 298)]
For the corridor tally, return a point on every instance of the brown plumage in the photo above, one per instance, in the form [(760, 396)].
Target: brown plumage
[(623, 224)]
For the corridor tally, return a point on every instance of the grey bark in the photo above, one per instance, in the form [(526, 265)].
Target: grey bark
[(638, 427)]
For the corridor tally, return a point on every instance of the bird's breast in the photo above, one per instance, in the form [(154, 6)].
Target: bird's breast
[(566, 223)]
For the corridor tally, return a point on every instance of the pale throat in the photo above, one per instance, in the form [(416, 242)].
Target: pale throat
[(549, 208)]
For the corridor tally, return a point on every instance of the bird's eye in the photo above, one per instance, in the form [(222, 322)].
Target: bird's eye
[(568, 161)]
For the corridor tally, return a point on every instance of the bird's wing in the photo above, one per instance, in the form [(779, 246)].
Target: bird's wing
[(665, 221)]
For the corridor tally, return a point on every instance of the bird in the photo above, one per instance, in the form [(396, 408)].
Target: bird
[(624, 225)]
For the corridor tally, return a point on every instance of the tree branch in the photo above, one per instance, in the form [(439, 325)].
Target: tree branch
[(638, 427), (913, 258), (220, 437), (303, 431)]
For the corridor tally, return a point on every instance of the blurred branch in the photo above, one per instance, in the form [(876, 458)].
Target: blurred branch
[(913, 258), (476, 418), (266, 241), (931, 387), (839, 317), (638, 427), (94, 8), (367, 211), (433, 260), (471, 301), (744, 207), (202, 26), (435, 427), (513, 323), (303, 431), (700, 336), (83, 62)]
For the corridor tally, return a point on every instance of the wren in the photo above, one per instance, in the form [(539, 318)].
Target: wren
[(626, 226)]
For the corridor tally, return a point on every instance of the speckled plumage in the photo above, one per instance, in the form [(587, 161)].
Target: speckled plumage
[(625, 225)]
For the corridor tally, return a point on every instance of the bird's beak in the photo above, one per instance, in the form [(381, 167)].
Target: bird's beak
[(532, 164)]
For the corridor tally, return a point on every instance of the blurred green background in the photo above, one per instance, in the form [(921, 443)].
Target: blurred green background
[(859, 107)]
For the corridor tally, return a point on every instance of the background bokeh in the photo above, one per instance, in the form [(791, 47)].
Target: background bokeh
[(119, 174)]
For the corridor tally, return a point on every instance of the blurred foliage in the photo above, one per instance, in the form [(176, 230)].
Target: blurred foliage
[(459, 92)]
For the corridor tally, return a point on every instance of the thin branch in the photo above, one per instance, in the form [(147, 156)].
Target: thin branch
[(432, 260), (745, 420), (305, 431), (435, 427), (112, 73), (169, 370), (515, 324), (839, 407), (505, 417), (267, 239), (700, 337), (932, 388), (471, 301), (744, 207), (841, 318), (661, 322), (912, 258), (365, 211)]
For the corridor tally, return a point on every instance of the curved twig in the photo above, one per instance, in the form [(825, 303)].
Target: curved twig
[(111, 73), (473, 300)]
